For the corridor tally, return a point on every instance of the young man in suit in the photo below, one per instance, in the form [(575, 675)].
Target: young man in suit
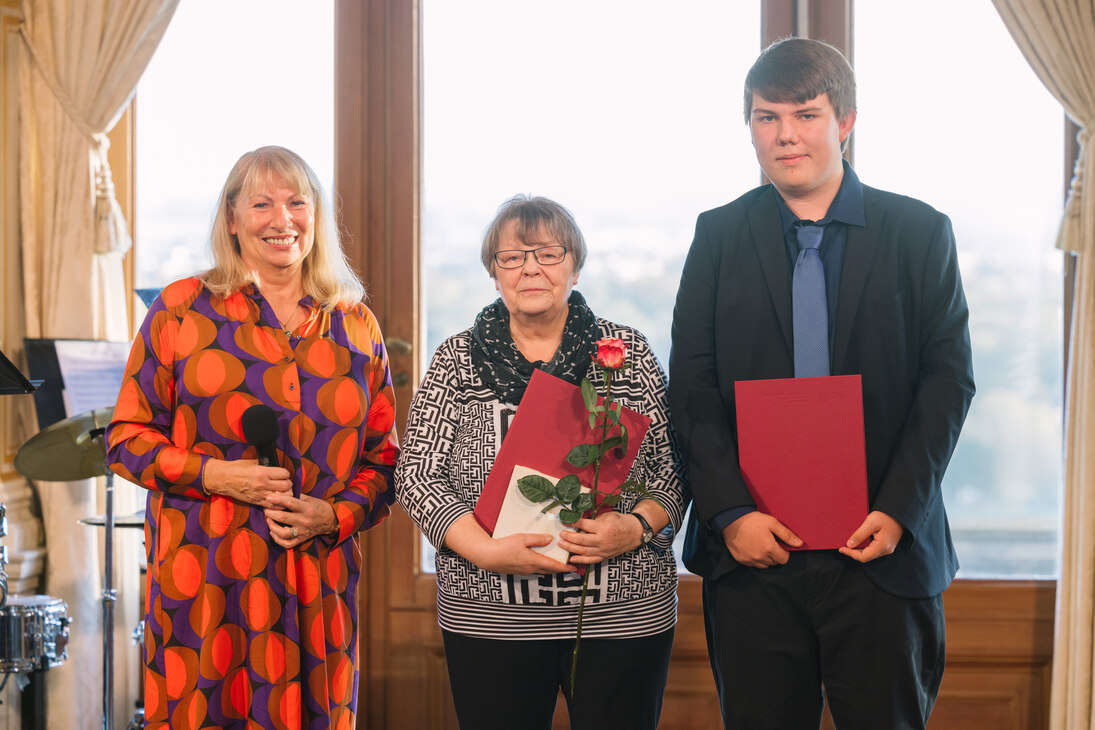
[(887, 303)]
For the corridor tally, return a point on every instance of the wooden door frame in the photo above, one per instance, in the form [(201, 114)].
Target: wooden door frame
[(377, 173)]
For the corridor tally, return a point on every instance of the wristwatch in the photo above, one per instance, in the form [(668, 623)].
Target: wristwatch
[(648, 531)]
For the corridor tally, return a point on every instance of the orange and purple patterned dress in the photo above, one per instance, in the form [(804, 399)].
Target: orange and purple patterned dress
[(239, 632)]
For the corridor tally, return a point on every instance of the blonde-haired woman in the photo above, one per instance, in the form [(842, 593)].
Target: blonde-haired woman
[(257, 409)]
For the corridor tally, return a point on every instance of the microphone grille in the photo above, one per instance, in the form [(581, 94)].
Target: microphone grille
[(260, 425)]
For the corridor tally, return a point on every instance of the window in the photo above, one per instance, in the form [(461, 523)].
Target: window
[(968, 128), (227, 78)]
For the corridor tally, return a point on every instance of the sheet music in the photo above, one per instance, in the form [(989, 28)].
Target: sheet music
[(92, 372)]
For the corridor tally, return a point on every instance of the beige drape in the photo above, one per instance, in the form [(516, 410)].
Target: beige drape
[(1057, 37), (79, 67)]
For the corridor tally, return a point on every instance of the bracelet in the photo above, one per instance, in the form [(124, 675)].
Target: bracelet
[(648, 531)]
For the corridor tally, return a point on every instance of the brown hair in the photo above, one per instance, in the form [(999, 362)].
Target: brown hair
[(795, 70)]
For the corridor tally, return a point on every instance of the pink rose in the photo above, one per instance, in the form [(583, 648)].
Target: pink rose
[(610, 352)]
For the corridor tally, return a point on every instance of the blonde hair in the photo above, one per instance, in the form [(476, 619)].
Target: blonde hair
[(326, 273)]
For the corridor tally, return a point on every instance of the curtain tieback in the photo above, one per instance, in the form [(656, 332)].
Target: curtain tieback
[(111, 232), (1070, 236)]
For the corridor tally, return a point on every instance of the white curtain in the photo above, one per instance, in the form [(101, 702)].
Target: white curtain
[(79, 67), (1057, 37)]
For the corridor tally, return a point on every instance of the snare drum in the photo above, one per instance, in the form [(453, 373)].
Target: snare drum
[(33, 633)]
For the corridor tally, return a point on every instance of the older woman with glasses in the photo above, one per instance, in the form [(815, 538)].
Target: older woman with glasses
[(508, 614)]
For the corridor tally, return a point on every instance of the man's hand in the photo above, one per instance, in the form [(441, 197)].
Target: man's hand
[(885, 532), (752, 540)]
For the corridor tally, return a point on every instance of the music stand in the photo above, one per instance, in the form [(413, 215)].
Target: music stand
[(12, 381)]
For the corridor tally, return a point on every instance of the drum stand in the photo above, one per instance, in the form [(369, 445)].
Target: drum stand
[(109, 595), (137, 722)]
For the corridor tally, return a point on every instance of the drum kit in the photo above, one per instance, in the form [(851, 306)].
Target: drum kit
[(34, 629)]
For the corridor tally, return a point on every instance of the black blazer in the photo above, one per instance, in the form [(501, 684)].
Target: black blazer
[(901, 323)]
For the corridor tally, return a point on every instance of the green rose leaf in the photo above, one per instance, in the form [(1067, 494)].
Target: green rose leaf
[(569, 516), (633, 487), (568, 488), (584, 503), (610, 444), (536, 488), (612, 500), (589, 394), (583, 455)]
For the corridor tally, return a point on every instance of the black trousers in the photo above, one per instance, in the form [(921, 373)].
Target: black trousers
[(779, 637), (505, 685)]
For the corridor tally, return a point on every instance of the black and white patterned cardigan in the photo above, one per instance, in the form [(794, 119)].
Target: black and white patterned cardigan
[(453, 434)]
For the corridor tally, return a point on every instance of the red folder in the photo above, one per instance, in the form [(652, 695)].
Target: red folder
[(801, 450), (551, 420)]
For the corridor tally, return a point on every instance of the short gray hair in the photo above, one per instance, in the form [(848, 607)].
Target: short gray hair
[(533, 214)]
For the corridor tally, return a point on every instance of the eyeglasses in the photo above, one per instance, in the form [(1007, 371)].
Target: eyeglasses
[(545, 256)]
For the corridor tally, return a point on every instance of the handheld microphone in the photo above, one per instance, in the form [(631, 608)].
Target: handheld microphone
[(260, 429)]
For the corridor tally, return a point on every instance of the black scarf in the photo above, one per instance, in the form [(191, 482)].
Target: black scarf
[(503, 368)]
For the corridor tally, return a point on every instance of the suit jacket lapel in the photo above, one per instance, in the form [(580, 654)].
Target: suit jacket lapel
[(772, 255), (860, 248)]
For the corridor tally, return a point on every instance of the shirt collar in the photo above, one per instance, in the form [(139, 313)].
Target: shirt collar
[(253, 291), (847, 206)]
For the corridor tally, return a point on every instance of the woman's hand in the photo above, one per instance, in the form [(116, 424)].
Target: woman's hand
[(612, 533), (293, 521), (512, 554), (245, 481), (609, 535)]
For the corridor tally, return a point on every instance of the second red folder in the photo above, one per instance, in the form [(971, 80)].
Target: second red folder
[(801, 452)]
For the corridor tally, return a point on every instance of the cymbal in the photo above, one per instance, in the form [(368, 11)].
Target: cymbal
[(134, 520), (68, 450)]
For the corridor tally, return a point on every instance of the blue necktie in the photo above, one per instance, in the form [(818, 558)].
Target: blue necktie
[(810, 306)]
